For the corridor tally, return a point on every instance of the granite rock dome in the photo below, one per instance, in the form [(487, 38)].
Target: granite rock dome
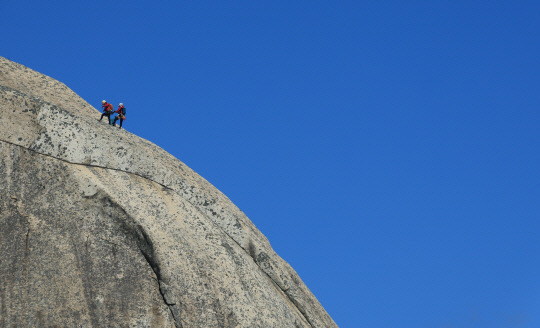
[(99, 234)]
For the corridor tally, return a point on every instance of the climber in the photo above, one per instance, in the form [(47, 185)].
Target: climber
[(121, 115), (107, 110)]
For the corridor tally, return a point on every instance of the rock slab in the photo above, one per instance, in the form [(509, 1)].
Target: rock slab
[(95, 234)]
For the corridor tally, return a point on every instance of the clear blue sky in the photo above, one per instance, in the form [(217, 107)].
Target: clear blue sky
[(388, 150)]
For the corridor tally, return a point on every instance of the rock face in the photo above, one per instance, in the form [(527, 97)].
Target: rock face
[(95, 234)]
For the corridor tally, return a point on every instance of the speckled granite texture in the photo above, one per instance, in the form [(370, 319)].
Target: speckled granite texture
[(101, 234)]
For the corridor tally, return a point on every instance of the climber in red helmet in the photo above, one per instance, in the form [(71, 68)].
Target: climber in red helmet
[(107, 110)]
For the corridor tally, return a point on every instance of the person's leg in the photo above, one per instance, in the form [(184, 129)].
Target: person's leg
[(121, 121), (114, 122), (102, 116)]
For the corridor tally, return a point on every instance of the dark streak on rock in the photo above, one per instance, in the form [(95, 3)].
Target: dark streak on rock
[(146, 247), (27, 244)]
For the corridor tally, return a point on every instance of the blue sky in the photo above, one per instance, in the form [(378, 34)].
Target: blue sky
[(388, 150)]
